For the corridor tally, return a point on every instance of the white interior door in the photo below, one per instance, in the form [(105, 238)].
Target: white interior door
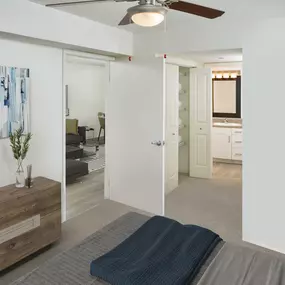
[(135, 119), (201, 161), (172, 118)]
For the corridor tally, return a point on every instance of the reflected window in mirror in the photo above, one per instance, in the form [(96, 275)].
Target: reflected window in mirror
[(227, 94)]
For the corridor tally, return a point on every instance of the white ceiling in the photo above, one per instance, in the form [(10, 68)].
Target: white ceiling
[(111, 13), (220, 56)]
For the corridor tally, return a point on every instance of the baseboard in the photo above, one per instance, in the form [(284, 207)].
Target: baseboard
[(262, 245), (229, 161)]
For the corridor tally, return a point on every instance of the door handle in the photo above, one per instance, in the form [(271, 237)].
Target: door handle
[(158, 143), (229, 139)]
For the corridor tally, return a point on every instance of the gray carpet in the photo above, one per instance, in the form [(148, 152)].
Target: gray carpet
[(212, 203)]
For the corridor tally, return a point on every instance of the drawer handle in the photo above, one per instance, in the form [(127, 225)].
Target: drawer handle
[(238, 154), (238, 141), (236, 132)]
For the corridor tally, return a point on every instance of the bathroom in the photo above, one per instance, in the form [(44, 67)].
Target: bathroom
[(227, 131)]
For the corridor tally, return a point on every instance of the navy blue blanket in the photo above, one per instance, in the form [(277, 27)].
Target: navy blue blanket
[(162, 251)]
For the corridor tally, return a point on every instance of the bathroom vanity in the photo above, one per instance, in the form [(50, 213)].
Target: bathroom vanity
[(227, 138)]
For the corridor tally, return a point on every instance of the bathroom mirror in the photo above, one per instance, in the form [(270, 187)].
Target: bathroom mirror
[(227, 97)]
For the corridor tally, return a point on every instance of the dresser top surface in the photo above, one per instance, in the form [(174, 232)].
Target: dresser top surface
[(39, 184)]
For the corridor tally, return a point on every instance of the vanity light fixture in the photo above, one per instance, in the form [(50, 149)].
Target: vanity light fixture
[(225, 74)]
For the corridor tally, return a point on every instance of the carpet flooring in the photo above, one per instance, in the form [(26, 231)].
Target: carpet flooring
[(212, 203)]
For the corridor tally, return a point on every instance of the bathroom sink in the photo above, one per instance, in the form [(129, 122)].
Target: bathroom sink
[(221, 124)]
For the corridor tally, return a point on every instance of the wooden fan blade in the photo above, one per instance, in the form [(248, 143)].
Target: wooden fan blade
[(60, 4), (198, 10), (126, 20)]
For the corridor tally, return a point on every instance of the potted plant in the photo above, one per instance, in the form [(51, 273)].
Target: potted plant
[(20, 144)]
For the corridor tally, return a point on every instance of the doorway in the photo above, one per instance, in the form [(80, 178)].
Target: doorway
[(188, 123), (216, 200), (86, 85), (177, 125), (183, 126), (209, 139), (227, 131)]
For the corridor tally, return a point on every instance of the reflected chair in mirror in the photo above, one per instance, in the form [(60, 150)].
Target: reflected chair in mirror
[(101, 118)]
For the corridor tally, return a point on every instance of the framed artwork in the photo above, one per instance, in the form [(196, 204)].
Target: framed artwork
[(14, 100)]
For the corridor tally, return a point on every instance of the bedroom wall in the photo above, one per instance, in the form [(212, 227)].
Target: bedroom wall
[(24, 18), (264, 139), (45, 65), (263, 44)]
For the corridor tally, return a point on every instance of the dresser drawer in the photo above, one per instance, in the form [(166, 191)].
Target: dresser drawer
[(236, 131), (236, 153), (237, 140)]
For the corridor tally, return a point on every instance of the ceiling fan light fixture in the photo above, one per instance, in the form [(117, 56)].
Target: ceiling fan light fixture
[(147, 15), (148, 19)]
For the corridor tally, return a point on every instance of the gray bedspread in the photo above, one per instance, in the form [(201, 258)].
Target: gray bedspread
[(237, 265), (73, 266), (227, 265)]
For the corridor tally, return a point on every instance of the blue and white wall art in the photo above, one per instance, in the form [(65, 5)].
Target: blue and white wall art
[(14, 100)]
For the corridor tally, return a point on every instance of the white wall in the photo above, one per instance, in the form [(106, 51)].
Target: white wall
[(221, 66), (263, 44), (86, 93), (46, 109), (264, 138), (24, 18)]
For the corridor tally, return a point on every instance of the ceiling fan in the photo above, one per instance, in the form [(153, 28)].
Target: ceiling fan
[(149, 13)]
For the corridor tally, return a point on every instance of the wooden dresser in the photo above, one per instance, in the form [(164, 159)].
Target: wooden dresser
[(30, 219)]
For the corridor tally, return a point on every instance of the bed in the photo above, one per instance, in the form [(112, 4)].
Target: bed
[(226, 264)]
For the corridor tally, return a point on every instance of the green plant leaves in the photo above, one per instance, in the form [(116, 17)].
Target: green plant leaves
[(20, 144)]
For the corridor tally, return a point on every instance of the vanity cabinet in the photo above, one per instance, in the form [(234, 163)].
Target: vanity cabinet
[(236, 144), (221, 143), (227, 143)]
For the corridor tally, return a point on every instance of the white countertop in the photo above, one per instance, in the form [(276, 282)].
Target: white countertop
[(227, 125)]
